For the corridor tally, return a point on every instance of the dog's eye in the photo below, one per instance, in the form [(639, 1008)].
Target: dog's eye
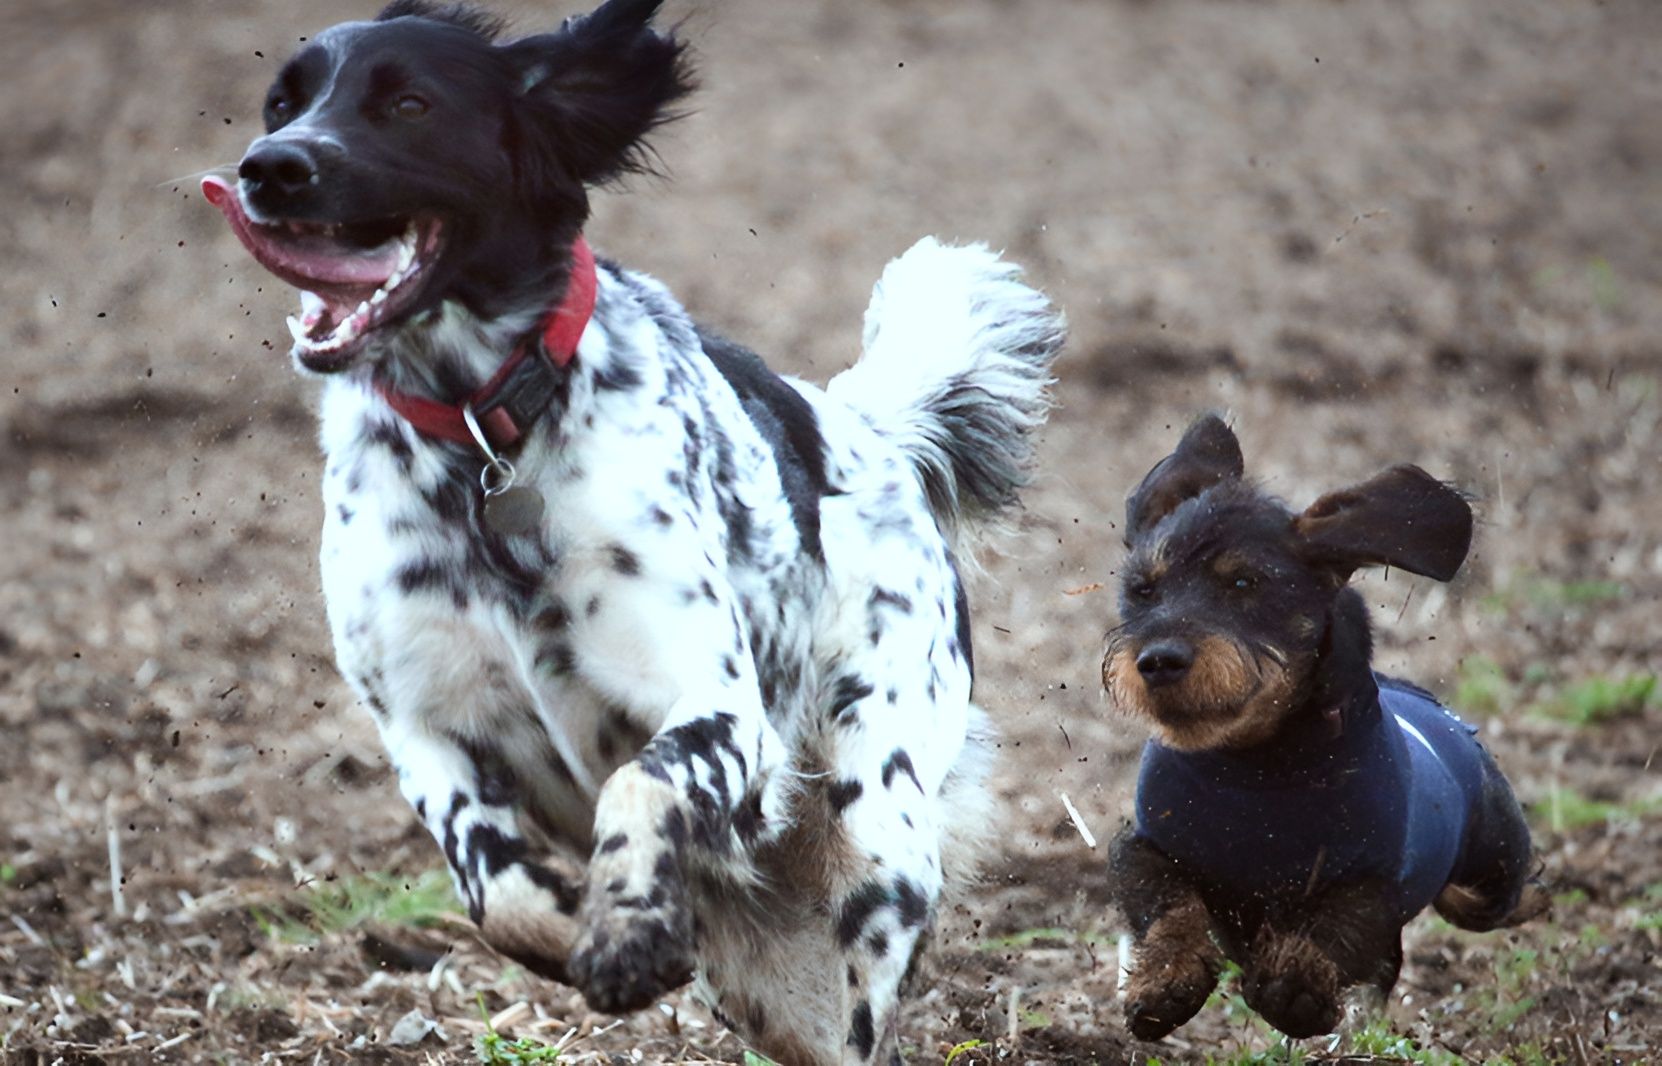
[(1244, 582), (1144, 590), (279, 106), (409, 106)]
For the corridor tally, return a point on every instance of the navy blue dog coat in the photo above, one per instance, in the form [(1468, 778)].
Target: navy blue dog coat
[(1392, 797)]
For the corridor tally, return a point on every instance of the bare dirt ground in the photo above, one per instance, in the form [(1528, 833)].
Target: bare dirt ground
[(1417, 230)]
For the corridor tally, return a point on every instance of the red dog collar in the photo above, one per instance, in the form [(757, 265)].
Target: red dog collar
[(521, 390)]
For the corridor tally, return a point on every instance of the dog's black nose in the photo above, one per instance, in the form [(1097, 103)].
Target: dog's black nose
[(1165, 662), (278, 169)]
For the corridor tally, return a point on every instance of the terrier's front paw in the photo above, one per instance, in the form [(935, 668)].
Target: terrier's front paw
[(1293, 1007), (1177, 968), (627, 961), (1153, 1008)]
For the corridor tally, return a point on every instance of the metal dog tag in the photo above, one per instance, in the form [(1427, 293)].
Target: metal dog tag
[(513, 511), (510, 509)]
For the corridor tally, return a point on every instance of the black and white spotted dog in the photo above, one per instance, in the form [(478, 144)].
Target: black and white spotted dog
[(610, 586)]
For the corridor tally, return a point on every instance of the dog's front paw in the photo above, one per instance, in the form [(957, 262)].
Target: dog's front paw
[(1158, 1003), (1295, 987), (1154, 1019), (1177, 968), (1293, 1007), (637, 921), (626, 959)]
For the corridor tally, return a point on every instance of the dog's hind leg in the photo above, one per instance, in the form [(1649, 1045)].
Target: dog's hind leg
[(892, 739), (884, 899), (769, 964), (1491, 886), (773, 966), (885, 902)]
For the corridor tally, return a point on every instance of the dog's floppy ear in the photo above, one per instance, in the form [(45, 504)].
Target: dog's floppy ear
[(1207, 454), (1403, 517), (461, 14), (595, 88)]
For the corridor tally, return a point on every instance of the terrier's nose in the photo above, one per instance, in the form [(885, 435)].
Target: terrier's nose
[(1165, 662)]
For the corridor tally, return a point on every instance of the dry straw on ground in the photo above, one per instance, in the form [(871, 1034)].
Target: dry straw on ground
[(1417, 231)]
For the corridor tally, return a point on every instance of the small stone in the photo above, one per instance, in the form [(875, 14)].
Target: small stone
[(413, 1028)]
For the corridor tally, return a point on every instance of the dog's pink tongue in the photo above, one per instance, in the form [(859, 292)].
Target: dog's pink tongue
[(307, 261)]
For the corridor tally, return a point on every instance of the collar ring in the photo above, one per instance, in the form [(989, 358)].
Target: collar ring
[(497, 475)]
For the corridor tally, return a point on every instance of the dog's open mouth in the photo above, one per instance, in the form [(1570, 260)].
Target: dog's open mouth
[(353, 277)]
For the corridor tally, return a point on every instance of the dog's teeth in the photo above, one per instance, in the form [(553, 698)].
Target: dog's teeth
[(362, 311), (297, 330), (378, 296), (334, 340), (406, 252)]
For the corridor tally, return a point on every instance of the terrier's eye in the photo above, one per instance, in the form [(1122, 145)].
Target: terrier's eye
[(409, 106), (1143, 590), (1244, 582), (279, 106)]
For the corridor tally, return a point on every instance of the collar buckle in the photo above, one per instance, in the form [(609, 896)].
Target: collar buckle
[(501, 411)]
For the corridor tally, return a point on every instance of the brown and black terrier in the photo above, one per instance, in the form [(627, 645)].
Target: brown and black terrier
[(1294, 809)]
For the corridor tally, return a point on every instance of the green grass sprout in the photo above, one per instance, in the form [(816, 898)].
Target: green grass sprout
[(494, 1049), (1604, 699), (307, 914)]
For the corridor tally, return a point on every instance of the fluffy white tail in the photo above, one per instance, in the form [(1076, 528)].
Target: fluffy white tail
[(956, 369)]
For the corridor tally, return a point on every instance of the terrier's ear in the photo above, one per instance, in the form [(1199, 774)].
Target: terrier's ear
[(591, 91), (1207, 454), (1403, 517)]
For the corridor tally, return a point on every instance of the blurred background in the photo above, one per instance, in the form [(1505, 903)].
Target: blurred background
[(1407, 231)]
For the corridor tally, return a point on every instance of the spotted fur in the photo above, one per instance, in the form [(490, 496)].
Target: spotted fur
[(710, 720), (713, 640)]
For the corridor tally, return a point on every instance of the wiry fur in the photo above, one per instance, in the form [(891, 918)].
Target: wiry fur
[(1294, 805), (710, 719)]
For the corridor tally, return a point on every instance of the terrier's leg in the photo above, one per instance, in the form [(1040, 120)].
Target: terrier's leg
[(1176, 961)]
